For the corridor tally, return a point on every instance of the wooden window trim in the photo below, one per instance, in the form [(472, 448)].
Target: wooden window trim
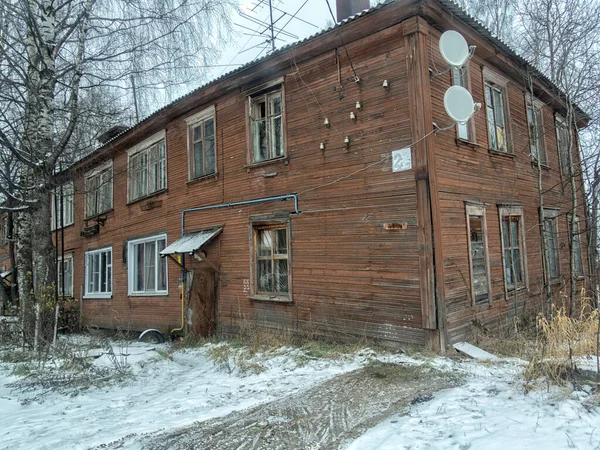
[(107, 166), (98, 295), (466, 83), (578, 276), (472, 209), (54, 195), (66, 256), (255, 226), (131, 267), (265, 89), (494, 80), (516, 211), (552, 214), (191, 123), (561, 123), (145, 146), (537, 106)]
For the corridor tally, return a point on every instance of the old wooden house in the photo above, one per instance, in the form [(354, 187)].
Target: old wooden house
[(308, 190)]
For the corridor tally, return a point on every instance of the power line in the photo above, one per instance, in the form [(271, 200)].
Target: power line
[(342, 40)]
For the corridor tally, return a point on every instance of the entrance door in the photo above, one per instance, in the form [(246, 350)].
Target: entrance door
[(202, 303)]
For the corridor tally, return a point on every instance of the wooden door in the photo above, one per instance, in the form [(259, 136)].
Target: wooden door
[(202, 303)]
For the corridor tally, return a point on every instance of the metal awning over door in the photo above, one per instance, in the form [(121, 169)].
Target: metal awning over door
[(191, 242)]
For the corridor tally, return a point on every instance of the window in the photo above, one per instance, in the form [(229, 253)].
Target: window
[(266, 125), (496, 117), (271, 260), (562, 137), (201, 144), (536, 132), (147, 168), (63, 204), (478, 254), (576, 244), (147, 270), (513, 247), (6, 235), (460, 77), (98, 191), (98, 273), (551, 241), (65, 268)]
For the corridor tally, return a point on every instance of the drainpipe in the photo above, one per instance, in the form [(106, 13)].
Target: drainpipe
[(219, 206)]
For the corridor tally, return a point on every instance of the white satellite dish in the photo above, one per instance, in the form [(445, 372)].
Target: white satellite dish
[(454, 48), (459, 104)]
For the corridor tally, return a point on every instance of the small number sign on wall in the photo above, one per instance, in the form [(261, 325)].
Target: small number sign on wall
[(401, 160), (246, 285)]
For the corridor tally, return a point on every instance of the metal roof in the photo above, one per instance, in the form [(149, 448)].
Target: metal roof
[(451, 5), (191, 242)]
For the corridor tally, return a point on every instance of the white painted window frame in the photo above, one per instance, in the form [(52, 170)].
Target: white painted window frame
[(98, 294), (68, 199), (142, 147), (131, 263)]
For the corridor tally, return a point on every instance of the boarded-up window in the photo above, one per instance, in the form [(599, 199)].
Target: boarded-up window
[(564, 143), (271, 260), (536, 133), (266, 125), (551, 242), (513, 247), (575, 242), (478, 253)]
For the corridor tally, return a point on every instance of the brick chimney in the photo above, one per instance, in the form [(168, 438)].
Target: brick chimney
[(347, 8)]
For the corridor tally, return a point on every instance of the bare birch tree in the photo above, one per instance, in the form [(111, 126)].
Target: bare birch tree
[(67, 64)]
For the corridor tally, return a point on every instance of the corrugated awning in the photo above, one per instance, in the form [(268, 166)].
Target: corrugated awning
[(6, 273), (189, 243)]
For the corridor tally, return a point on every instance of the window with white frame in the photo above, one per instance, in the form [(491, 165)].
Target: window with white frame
[(564, 143), (513, 246), (535, 124), (62, 206), (147, 271), (201, 144), (271, 260), (550, 229), (64, 272), (98, 273), (478, 253), (147, 168), (99, 191), (460, 77), (266, 124)]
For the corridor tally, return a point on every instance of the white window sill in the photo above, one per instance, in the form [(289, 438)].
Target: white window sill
[(270, 298), (97, 295), (149, 294)]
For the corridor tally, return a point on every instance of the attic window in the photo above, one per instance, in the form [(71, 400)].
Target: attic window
[(266, 125)]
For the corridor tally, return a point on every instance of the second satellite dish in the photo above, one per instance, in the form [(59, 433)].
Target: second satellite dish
[(459, 104), (454, 48)]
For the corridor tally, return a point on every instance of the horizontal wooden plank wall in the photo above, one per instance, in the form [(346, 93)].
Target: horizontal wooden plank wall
[(350, 275), (468, 172)]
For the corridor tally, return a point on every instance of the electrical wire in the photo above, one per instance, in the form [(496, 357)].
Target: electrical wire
[(337, 27)]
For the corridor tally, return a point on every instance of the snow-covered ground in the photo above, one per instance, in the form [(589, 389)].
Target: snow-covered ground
[(491, 410)]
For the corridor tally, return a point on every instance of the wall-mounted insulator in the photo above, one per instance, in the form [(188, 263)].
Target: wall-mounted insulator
[(385, 84), (347, 141), (326, 122), (358, 105), (322, 146), (352, 115)]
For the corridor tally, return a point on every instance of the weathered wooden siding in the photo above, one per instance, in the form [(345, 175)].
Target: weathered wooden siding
[(470, 172), (349, 275)]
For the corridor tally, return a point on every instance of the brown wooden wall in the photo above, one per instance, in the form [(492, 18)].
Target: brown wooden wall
[(349, 274), (470, 172)]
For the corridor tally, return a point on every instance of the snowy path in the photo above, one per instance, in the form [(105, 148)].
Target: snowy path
[(165, 394), (490, 411), (323, 417)]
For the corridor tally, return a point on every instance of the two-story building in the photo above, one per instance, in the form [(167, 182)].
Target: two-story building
[(308, 190)]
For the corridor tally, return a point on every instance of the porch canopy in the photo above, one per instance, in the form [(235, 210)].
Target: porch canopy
[(191, 242)]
